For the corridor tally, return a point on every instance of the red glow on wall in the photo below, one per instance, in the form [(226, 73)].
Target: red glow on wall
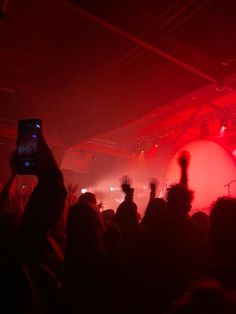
[(211, 167)]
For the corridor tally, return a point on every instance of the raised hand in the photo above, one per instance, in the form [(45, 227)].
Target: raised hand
[(72, 197), (153, 188), (153, 184), (126, 187), (125, 184), (184, 159), (100, 206)]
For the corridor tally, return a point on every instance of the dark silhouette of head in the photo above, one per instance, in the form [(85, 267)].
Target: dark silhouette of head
[(156, 211), (108, 215), (222, 231), (88, 198), (201, 218), (84, 229), (205, 297), (179, 199), (126, 216)]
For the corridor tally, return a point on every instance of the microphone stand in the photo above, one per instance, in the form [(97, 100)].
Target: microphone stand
[(228, 186)]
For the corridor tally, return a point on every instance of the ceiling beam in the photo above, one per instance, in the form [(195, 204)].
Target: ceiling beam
[(169, 53)]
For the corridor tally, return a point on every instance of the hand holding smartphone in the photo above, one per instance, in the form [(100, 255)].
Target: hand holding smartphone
[(28, 142)]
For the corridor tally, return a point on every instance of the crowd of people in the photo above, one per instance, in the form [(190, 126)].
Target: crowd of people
[(63, 254)]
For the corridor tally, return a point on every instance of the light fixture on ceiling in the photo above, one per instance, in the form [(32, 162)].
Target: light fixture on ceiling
[(223, 126)]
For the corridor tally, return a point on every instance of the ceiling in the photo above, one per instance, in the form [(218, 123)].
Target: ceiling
[(88, 67)]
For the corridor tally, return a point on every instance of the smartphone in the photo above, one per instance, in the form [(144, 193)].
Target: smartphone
[(29, 132)]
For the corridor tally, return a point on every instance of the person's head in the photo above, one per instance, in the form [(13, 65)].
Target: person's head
[(222, 230), (88, 198), (84, 228), (108, 215), (179, 200), (205, 297), (156, 211), (127, 215), (201, 218)]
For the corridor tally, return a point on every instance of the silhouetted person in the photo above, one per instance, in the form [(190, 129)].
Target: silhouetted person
[(156, 210), (172, 254), (126, 218), (85, 280), (188, 241), (222, 235), (34, 259), (113, 234)]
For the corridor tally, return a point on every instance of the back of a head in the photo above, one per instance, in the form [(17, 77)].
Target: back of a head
[(179, 199), (84, 227), (156, 211), (205, 297), (201, 218), (87, 197), (222, 231), (108, 215), (127, 215)]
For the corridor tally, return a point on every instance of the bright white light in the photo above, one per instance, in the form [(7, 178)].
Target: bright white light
[(37, 126), (83, 191), (234, 152), (114, 188), (222, 130)]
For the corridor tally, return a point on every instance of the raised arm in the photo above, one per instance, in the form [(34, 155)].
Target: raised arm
[(153, 189), (47, 202), (126, 188), (183, 161), (43, 215)]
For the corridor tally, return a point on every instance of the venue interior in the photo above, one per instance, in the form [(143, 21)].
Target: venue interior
[(122, 87)]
